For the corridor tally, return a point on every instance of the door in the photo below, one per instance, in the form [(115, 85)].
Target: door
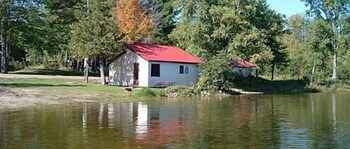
[(136, 74)]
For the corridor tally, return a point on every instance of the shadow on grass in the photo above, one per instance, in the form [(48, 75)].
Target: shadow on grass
[(51, 72), (275, 86), (25, 85)]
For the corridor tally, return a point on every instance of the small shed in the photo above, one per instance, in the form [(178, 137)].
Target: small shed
[(153, 65), (244, 68)]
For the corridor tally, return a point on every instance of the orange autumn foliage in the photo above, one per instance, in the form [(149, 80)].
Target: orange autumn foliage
[(133, 20)]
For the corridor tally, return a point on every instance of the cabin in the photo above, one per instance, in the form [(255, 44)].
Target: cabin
[(153, 65), (244, 68)]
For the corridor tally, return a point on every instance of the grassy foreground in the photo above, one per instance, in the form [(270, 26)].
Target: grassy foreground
[(68, 88)]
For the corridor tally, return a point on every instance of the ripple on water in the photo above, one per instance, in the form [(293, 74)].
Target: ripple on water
[(300, 121)]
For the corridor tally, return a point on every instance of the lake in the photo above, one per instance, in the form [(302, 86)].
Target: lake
[(265, 121)]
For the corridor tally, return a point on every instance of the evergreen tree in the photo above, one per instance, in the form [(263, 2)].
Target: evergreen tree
[(163, 14), (97, 36)]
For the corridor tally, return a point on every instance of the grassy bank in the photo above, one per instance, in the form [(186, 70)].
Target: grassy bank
[(41, 70), (275, 86), (73, 88)]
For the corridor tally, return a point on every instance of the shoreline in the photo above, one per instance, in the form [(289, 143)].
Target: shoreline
[(17, 91)]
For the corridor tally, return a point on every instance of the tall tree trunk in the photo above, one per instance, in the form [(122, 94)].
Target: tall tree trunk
[(1, 49), (335, 47), (5, 58), (3, 52), (334, 74), (86, 70), (2, 44), (102, 71), (273, 71), (313, 72)]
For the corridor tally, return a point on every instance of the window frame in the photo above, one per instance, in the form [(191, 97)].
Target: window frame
[(181, 69), (155, 70), (187, 70)]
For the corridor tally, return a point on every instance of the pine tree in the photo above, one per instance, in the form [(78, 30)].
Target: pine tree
[(163, 14), (96, 36)]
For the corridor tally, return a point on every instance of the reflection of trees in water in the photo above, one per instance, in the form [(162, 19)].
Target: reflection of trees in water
[(237, 122), (324, 127), (304, 121), (313, 121)]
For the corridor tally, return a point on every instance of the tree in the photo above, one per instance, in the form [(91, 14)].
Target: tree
[(216, 75), (60, 15), (132, 20), (330, 11), (295, 41), (320, 42), (4, 34), (97, 36), (163, 16), (247, 29)]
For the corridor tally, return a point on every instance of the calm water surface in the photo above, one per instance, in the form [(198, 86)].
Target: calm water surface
[(297, 121)]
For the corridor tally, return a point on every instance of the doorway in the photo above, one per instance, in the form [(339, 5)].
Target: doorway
[(136, 74)]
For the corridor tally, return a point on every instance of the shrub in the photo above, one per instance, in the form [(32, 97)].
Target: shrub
[(179, 91), (16, 65), (217, 75), (146, 92)]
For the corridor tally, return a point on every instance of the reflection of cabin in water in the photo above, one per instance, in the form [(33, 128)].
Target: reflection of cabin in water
[(244, 68), (146, 123)]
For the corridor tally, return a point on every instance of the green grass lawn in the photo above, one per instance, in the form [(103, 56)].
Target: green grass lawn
[(40, 70), (78, 89)]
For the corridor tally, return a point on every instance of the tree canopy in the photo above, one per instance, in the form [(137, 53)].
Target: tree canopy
[(133, 20)]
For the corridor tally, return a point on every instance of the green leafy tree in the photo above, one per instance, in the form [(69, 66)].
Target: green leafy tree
[(96, 35), (247, 29), (163, 17), (320, 41), (330, 11), (298, 53), (216, 75), (61, 14), (21, 28)]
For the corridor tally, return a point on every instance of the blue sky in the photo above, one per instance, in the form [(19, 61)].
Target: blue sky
[(287, 7)]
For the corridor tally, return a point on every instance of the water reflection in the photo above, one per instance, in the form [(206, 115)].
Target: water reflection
[(300, 121)]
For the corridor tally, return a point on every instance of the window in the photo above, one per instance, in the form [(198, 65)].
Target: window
[(187, 70), (155, 70), (181, 70)]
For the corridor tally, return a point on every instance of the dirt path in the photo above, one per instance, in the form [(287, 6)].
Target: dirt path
[(21, 76), (14, 98), (18, 98)]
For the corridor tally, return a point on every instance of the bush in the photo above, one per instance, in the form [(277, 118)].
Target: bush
[(53, 61), (179, 91), (16, 65), (216, 76), (147, 92)]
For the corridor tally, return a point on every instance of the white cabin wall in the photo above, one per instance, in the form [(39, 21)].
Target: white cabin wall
[(169, 74), (121, 71), (144, 72), (245, 72)]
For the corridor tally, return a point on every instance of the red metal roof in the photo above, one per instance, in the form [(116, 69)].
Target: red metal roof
[(162, 53), (242, 64)]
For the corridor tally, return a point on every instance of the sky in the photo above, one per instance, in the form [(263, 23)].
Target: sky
[(287, 7)]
